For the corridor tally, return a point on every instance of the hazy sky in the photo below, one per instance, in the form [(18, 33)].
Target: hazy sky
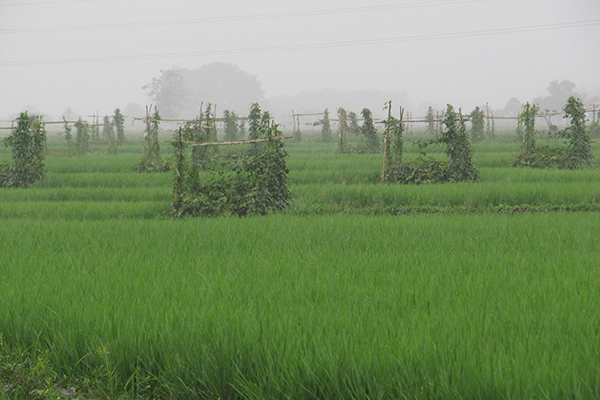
[(96, 55)]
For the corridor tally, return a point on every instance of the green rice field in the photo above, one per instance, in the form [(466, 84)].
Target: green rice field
[(360, 290)]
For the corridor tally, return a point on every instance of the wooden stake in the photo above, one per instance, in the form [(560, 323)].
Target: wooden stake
[(386, 140), (179, 178), (342, 147)]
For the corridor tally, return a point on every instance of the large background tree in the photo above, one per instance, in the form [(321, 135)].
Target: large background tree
[(169, 92), (179, 92), (559, 93)]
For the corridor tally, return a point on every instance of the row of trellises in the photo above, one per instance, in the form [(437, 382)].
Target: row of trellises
[(27, 142), (234, 177), (458, 168), (203, 128), (348, 123), (86, 134), (574, 152), (483, 127)]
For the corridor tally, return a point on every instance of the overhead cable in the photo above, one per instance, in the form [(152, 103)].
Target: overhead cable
[(350, 43)]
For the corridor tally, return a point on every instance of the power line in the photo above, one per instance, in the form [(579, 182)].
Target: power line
[(46, 3), (237, 18), (416, 38)]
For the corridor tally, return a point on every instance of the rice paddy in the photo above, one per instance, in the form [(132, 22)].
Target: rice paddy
[(337, 298)]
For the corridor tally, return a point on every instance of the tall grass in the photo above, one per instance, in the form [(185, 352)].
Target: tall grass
[(84, 210), (93, 163), (340, 307), (106, 194), (386, 198), (106, 179)]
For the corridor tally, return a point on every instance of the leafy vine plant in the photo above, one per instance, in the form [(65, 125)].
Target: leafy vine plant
[(458, 168), (27, 143), (576, 154), (248, 182)]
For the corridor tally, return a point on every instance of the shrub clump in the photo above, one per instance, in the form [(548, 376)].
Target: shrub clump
[(27, 143), (459, 167), (576, 154), (251, 182), (369, 139), (151, 160), (421, 170)]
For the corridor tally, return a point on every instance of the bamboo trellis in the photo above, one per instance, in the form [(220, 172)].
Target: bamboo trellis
[(593, 108), (229, 142)]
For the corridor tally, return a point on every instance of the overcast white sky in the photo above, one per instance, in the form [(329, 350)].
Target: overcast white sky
[(55, 68)]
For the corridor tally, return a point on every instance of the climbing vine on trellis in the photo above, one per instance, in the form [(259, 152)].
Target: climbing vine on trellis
[(576, 154), (28, 144), (251, 182), (458, 168)]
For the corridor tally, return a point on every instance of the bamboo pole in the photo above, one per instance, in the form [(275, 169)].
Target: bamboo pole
[(386, 140), (342, 147)]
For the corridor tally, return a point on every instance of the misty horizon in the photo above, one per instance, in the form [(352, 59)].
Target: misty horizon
[(95, 56)]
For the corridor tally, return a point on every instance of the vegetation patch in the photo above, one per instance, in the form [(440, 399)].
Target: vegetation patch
[(151, 159), (344, 306), (459, 167), (28, 144), (252, 182), (576, 154)]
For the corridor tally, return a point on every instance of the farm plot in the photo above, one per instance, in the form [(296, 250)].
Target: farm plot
[(421, 306), (116, 298), (101, 186)]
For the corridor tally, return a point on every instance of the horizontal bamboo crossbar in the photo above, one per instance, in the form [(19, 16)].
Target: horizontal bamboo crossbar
[(230, 142), (592, 108)]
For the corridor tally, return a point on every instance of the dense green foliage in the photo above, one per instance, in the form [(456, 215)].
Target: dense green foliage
[(342, 132), (576, 154), (27, 143), (393, 146), (253, 182), (421, 170), (151, 159), (458, 148), (326, 133), (477, 125), (119, 126), (458, 168), (579, 149), (82, 137), (370, 142), (200, 130), (254, 121), (527, 118)]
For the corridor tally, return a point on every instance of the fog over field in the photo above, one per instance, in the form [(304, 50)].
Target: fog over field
[(90, 56)]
